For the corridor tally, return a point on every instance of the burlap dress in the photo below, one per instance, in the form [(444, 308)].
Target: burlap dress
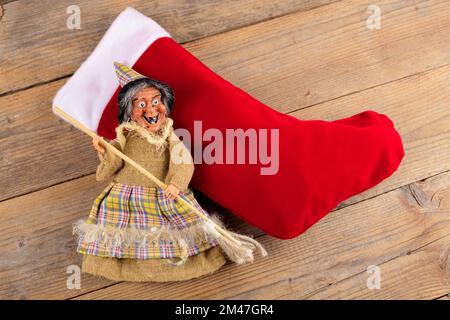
[(134, 232)]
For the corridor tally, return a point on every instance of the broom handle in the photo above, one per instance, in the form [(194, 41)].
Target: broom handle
[(138, 167)]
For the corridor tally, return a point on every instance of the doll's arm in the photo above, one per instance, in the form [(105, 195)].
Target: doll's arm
[(181, 164), (109, 163)]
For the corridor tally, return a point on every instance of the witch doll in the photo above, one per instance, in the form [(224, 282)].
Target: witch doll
[(137, 231)]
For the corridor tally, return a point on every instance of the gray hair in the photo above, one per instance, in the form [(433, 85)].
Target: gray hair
[(127, 93)]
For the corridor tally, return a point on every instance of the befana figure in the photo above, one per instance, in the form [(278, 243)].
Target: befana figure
[(137, 231)]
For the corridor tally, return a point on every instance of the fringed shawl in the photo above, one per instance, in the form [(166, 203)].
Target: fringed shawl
[(159, 138)]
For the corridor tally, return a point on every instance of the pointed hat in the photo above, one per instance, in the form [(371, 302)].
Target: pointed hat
[(125, 74)]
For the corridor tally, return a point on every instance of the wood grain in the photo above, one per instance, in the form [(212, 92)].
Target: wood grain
[(37, 246), (306, 58), (426, 137), (343, 244), (37, 46), (415, 275)]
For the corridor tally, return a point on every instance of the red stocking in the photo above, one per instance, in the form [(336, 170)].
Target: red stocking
[(319, 163)]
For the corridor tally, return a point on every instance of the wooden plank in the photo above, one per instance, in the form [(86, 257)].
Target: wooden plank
[(36, 241), (31, 31), (38, 149), (330, 38), (292, 68), (343, 244), (417, 275), (36, 245)]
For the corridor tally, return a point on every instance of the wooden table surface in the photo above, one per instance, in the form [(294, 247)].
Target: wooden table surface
[(310, 59)]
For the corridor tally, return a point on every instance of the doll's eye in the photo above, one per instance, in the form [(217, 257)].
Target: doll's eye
[(142, 104), (155, 101)]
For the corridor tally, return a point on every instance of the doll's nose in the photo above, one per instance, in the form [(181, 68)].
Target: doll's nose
[(151, 109)]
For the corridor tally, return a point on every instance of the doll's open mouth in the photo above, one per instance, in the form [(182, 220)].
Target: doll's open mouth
[(152, 120)]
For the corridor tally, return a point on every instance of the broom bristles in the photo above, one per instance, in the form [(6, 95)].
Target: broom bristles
[(243, 252), (239, 251)]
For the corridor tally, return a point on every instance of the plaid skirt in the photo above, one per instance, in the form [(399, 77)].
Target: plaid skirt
[(129, 221)]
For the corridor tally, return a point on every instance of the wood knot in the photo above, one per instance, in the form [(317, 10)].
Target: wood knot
[(420, 196)]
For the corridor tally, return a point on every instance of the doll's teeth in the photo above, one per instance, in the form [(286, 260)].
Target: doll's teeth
[(152, 120)]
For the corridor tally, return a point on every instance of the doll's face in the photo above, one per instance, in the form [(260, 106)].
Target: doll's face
[(148, 109)]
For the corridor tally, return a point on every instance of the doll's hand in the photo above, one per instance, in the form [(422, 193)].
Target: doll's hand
[(96, 142), (171, 192)]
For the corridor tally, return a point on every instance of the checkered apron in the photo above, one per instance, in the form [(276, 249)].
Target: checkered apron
[(121, 208)]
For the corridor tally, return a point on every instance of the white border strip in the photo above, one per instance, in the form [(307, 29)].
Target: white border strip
[(88, 91)]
